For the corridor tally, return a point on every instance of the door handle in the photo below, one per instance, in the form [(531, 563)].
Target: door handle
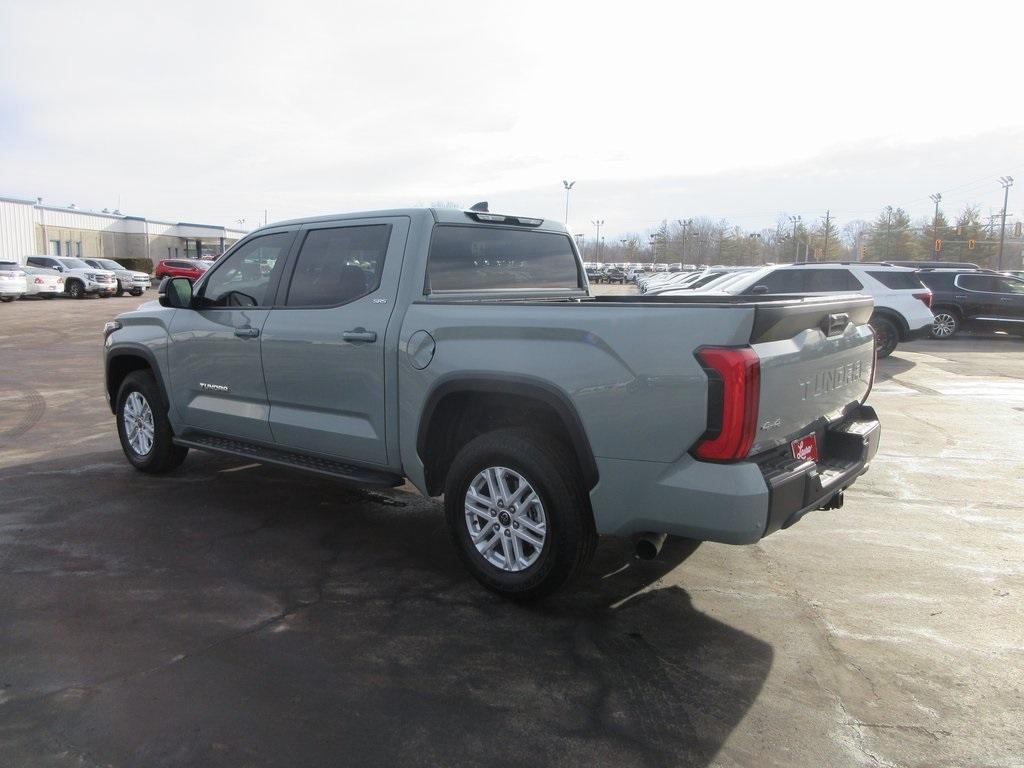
[(247, 332), (359, 334)]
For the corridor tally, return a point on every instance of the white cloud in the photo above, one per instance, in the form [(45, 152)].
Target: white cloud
[(211, 111)]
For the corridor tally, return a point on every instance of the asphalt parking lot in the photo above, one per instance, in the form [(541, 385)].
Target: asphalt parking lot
[(232, 614)]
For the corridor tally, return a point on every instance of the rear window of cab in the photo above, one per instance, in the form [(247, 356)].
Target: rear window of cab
[(898, 280), (482, 258)]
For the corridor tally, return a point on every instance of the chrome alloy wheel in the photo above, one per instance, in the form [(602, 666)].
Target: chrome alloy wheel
[(138, 423), (944, 325), (505, 518)]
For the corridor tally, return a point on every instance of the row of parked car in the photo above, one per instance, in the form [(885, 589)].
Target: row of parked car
[(51, 276), (912, 299)]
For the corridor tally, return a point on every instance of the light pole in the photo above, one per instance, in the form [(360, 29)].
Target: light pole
[(568, 185), (1007, 182), (796, 252), (597, 240)]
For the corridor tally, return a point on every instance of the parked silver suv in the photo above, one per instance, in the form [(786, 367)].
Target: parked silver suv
[(128, 280)]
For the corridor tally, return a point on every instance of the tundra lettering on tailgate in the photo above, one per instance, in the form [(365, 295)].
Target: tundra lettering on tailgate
[(831, 379)]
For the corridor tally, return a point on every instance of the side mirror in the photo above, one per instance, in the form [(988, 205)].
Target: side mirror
[(176, 292), (759, 290)]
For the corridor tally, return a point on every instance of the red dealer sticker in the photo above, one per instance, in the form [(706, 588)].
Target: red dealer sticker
[(805, 448)]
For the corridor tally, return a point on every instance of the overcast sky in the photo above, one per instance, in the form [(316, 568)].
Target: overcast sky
[(213, 111)]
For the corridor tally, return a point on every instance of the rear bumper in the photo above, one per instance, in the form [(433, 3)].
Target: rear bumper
[(735, 503), (917, 334), (798, 487)]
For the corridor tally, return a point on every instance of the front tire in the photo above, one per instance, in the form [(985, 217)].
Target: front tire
[(120, 290), (136, 292), (946, 324), (887, 336), (142, 425), (76, 290), (518, 513)]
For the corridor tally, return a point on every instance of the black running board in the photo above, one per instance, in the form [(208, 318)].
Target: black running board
[(339, 470)]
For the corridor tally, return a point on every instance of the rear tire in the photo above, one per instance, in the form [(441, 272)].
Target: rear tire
[(140, 409), (946, 324), (887, 336), (560, 517)]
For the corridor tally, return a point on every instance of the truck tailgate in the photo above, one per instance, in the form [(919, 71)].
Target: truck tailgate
[(816, 361)]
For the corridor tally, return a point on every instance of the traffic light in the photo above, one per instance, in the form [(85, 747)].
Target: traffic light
[(971, 244), (1017, 229), (938, 245)]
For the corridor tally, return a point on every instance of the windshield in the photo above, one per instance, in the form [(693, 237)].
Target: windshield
[(108, 264), (735, 283), (74, 263)]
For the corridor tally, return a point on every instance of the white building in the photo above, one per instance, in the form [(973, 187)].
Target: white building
[(28, 227)]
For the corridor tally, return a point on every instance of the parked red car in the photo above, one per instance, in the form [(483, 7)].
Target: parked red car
[(180, 268)]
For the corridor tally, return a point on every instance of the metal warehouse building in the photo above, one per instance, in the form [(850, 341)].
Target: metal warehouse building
[(28, 227)]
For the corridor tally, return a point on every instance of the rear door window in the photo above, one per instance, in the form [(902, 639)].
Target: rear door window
[(898, 281), (1009, 285), (985, 283), (468, 258), (781, 281), (336, 266), (830, 280)]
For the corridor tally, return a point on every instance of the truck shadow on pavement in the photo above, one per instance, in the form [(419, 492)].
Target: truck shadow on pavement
[(227, 615)]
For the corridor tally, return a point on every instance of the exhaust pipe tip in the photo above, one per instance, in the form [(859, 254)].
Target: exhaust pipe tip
[(648, 545)]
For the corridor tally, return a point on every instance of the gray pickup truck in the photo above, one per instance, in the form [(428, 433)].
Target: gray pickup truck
[(463, 351)]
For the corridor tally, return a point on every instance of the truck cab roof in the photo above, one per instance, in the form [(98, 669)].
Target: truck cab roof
[(439, 215)]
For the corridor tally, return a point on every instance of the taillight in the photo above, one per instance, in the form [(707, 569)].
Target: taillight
[(38, 281), (734, 385), (926, 297)]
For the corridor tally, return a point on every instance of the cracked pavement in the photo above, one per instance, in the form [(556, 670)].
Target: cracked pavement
[(234, 614)]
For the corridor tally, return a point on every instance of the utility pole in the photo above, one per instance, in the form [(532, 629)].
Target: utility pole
[(1007, 182), (936, 198), (828, 217), (686, 229), (568, 186), (888, 231), (796, 252), (597, 240)]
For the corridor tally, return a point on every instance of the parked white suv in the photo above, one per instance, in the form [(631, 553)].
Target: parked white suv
[(902, 302), (79, 278)]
